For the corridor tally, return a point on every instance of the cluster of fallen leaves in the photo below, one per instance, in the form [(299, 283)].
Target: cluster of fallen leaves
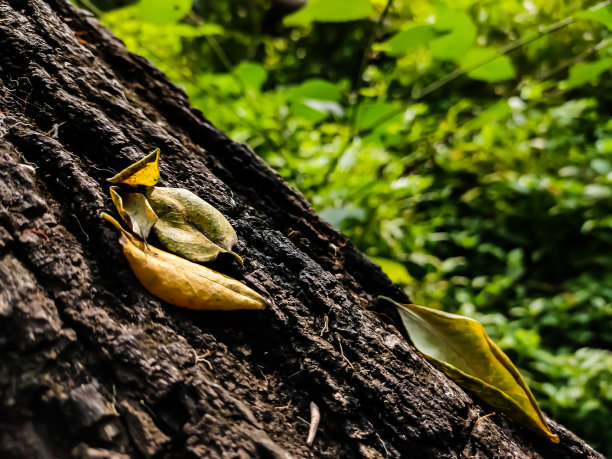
[(195, 232), (186, 225)]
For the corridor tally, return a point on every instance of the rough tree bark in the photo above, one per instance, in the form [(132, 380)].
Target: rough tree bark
[(93, 366)]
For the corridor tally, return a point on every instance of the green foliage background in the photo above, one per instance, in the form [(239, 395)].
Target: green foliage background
[(466, 146)]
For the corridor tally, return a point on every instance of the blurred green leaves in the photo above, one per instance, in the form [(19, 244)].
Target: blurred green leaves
[(408, 40), (331, 11), (486, 66), (162, 11), (584, 72), (459, 34)]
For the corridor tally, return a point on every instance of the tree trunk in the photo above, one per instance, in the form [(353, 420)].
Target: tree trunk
[(94, 366)]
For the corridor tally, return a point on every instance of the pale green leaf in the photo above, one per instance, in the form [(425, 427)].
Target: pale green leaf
[(251, 74), (396, 271), (498, 69), (315, 88), (461, 34), (408, 40), (330, 11), (602, 14), (315, 100), (462, 349), (370, 114), (163, 11), (584, 72), (336, 215), (189, 226)]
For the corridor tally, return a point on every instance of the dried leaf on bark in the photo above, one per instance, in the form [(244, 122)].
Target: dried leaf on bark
[(144, 172), (189, 226), (135, 211), (181, 282), (460, 347)]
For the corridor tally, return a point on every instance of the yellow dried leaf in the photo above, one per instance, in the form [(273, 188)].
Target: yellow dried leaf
[(460, 347), (143, 172), (181, 282), (135, 211)]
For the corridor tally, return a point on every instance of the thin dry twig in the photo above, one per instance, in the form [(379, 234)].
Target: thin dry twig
[(202, 358), (325, 326), (383, 445), (350, 365), (40, 233), (482, 417), (315, 418)]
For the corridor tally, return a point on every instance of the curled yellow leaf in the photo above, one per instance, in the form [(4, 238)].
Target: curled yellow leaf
[(144, 172), (181, 282), (460, 347), (135, 211)]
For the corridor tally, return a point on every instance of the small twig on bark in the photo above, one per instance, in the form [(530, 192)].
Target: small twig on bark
[(350, 365), (201, 358), (264, 377), (325, 326), (303, 420), (383, 445), (40, 233), (80, 226), (482, 417), (315, 417)]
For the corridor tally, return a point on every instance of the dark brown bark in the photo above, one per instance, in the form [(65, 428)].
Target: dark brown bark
[(92, 365)]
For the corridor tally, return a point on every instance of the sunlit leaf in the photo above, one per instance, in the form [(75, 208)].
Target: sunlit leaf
[(603, 14), (498, 69), (135, 211), (330, 11), (461, 34), (163, 11), (181, 282), (189, 226), (144, 172), (336, 215), (396, 271), (408, 40), (315, 88), (251, 74), (315, 99), (374, 114), (584, 72), (462, 349)]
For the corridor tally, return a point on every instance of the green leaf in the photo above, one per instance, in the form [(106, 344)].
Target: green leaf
[(189, 226), (460, 37), (336, 215), (462, 349), (135, 211), (315, 88), (163, 11), (371, 114), (602, 14), (498, 69), (408, 40), (330, 11), (584, 72), (251, 74), (315, 99), (144, 172), (397, 272)]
